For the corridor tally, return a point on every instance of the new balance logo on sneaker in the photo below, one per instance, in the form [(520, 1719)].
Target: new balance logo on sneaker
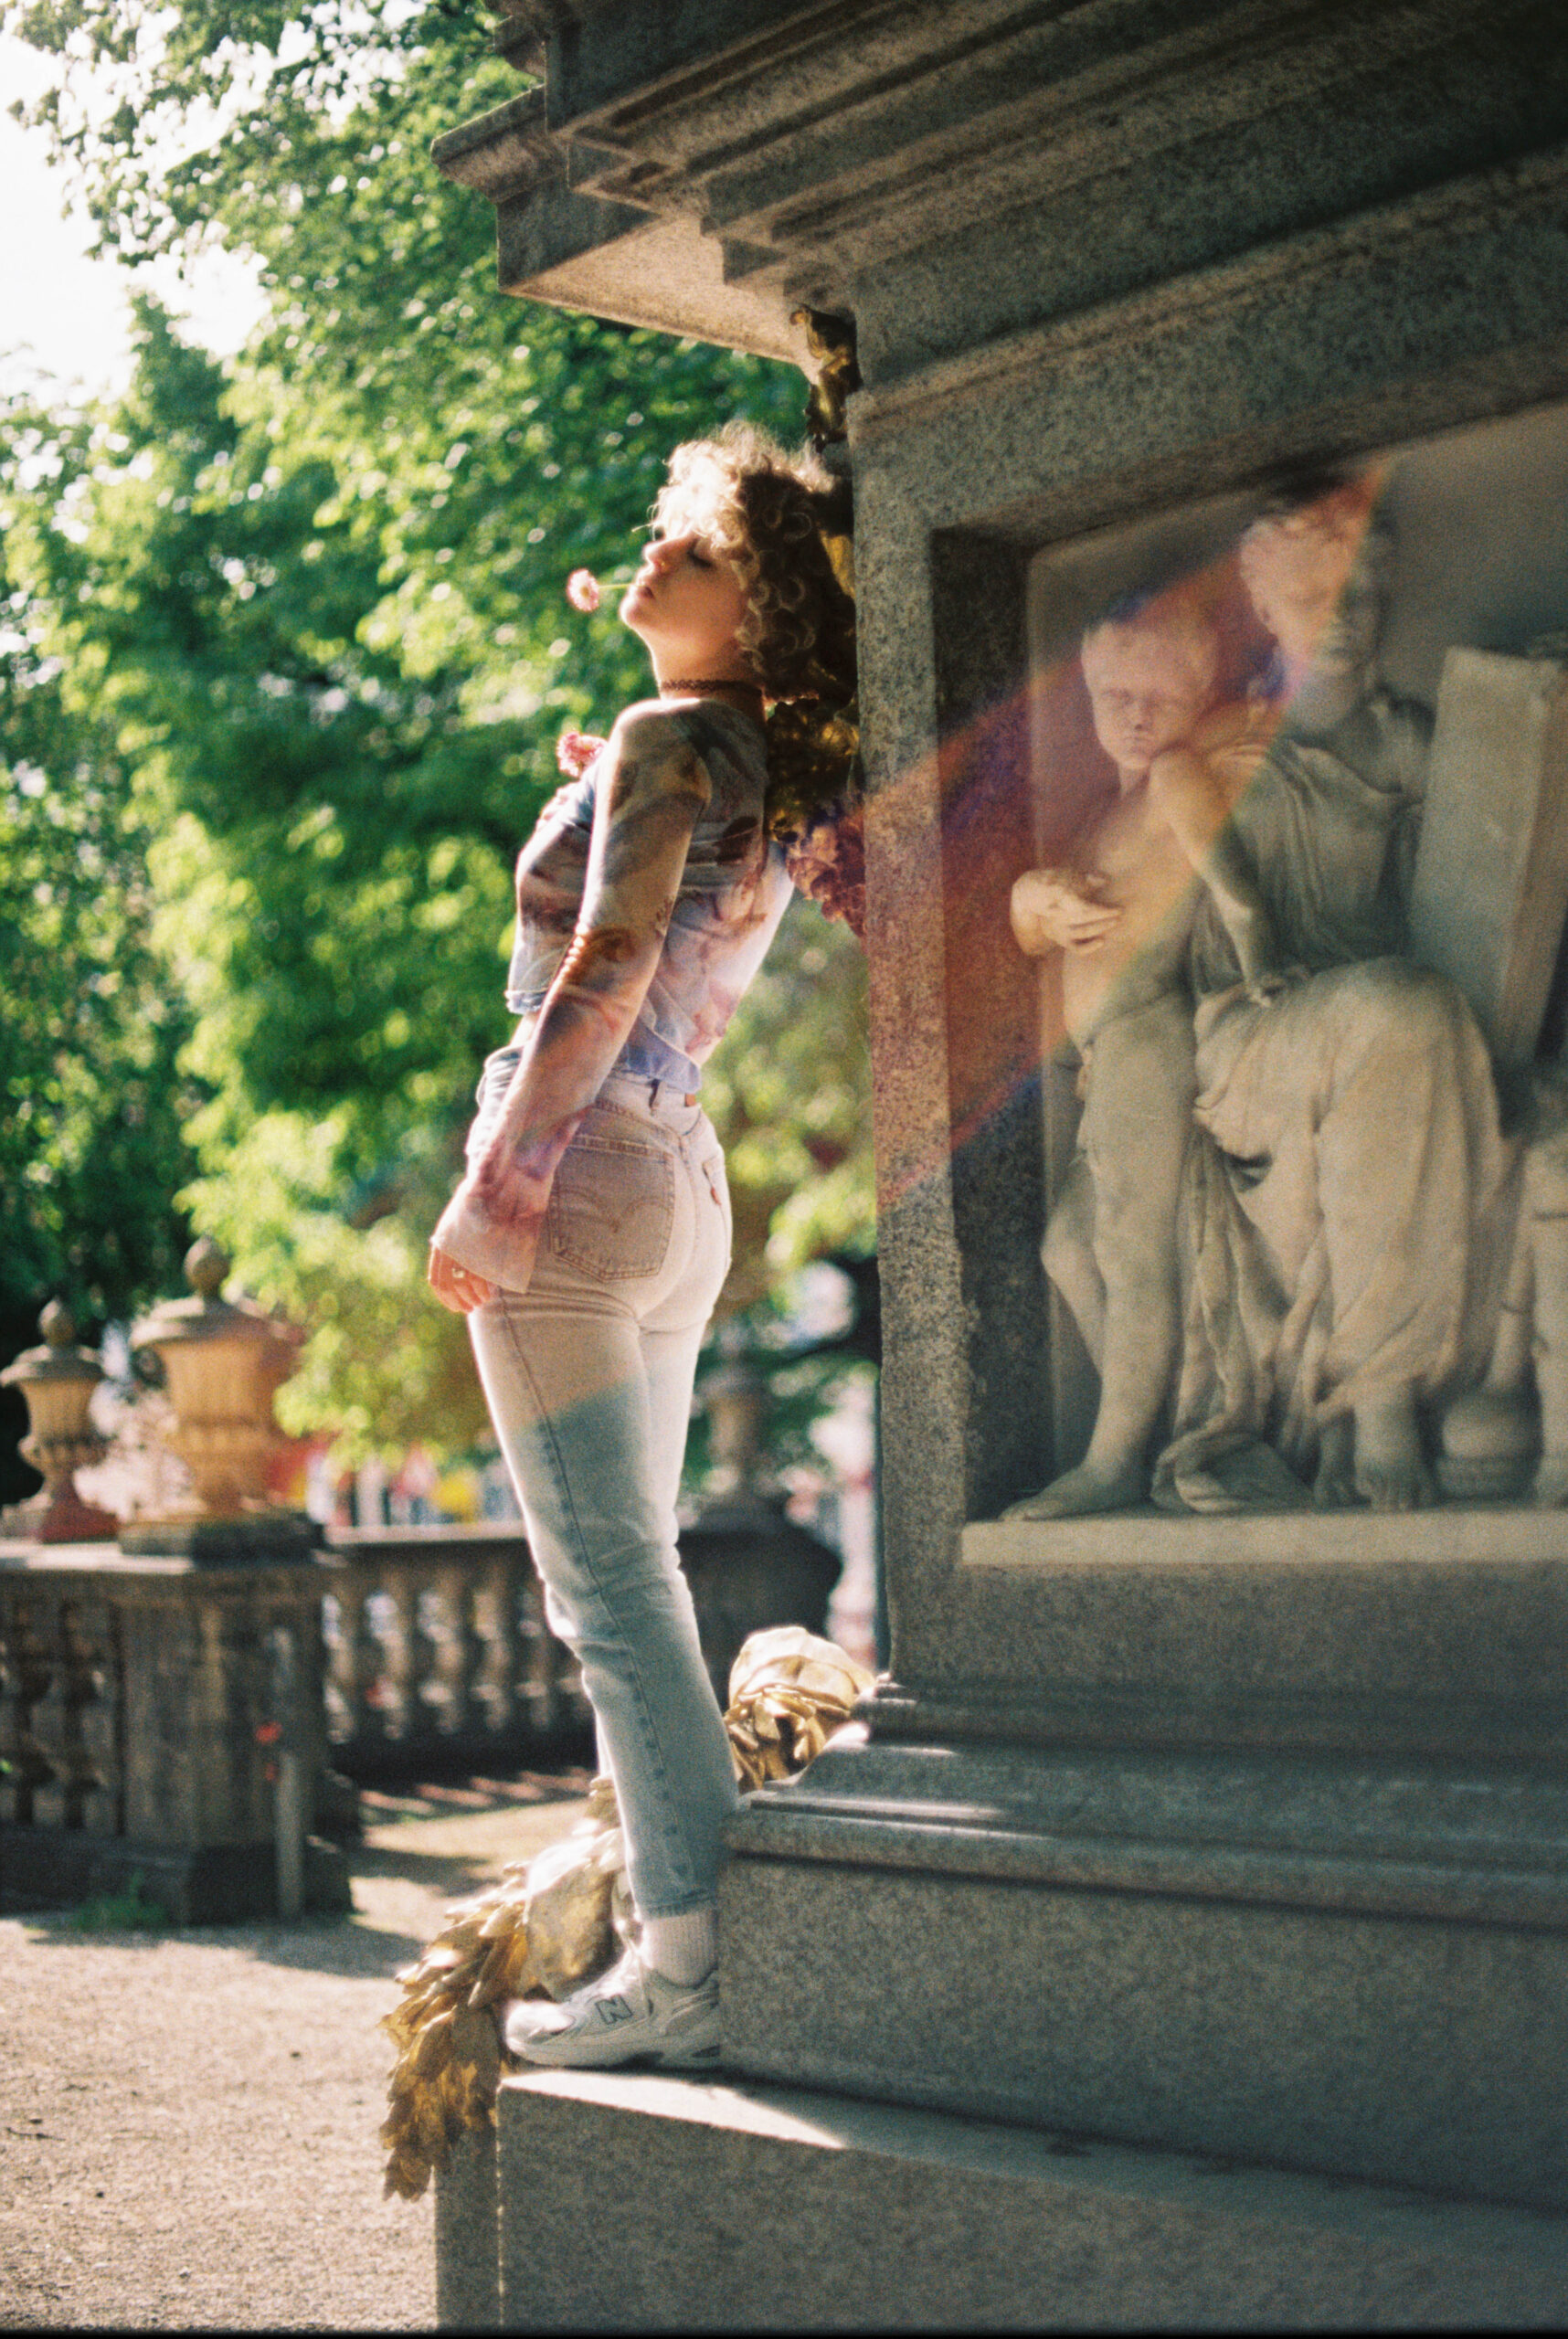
[(630, 2014)]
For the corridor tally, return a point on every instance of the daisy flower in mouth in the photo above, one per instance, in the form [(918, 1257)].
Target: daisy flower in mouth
[(582, 590)]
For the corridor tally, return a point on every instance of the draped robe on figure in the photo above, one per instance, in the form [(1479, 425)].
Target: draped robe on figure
[(1347, 1188)]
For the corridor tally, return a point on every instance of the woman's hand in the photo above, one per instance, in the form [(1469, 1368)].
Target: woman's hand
[(1052, 909), (488, 1232), (456, 1286)]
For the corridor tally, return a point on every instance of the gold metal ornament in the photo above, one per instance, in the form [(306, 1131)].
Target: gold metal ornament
[(556, 1920), (830, 340)]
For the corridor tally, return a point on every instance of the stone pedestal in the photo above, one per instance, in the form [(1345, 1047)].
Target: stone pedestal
[(1270, 1860), (751, 1568)]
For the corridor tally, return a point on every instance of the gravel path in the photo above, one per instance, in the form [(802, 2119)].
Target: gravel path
[(187, 2121)]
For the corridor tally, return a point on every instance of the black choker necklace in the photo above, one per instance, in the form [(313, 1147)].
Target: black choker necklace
[(709, 683)]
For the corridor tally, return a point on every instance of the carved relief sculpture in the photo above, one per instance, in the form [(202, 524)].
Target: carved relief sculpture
[(1311, 1255)]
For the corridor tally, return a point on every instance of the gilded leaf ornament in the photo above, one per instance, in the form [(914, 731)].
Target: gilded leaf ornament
[(555, 1922)]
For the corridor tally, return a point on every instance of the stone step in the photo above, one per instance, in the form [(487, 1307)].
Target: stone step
[(644, 2202), (1354, 1967)]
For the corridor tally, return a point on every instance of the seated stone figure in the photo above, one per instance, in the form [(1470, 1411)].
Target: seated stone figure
[(1343, 1204), (1130, 896)]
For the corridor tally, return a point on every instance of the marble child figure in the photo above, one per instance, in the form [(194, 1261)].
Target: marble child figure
[(589, 1238), (1122, 916)]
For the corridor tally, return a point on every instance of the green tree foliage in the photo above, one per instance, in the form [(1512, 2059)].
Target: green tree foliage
[(308, 610), (91, 1099)]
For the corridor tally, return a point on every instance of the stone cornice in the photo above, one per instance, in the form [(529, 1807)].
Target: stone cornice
[(814, 145), (502, 153), (1367, 241), (1030, 117)]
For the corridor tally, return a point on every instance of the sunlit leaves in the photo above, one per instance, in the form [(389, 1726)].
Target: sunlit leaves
[(310, 609), (90, 1098)]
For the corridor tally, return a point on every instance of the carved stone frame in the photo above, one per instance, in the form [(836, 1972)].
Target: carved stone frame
[(1290, 355)]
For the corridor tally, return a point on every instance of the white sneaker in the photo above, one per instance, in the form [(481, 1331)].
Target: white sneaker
[(630, 2014)]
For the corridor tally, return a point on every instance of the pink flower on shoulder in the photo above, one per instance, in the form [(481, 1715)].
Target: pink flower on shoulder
[(575, 750), (582, 590)]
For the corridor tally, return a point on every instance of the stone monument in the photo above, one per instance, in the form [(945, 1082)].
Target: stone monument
[(1181, 1932)]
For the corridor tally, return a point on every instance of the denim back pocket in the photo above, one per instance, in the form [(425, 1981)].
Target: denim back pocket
[(612, 1207)]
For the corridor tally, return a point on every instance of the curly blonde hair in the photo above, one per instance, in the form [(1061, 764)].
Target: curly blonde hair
[(776, 518)]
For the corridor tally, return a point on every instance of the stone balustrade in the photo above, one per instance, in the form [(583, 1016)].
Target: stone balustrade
[(414, 1648), (61, 1707), (170, 1703), (173, 1712), (438, 1653), (159, 1695), (161, 1716)]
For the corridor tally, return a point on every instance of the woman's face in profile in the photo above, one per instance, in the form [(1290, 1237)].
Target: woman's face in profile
[(686, 603)]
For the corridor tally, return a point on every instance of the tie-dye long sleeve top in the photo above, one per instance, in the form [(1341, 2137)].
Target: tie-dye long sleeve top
[(603, 837)]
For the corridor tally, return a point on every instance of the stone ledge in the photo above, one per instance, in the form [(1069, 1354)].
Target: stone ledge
[(605, 258), (1450, 1842), (104, 1571), (1491, 1534), (605, 2200), (1437, 1636), (1386, 2048), (260, 1536)]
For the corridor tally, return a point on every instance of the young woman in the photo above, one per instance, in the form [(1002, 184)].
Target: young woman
[(590, 1237)]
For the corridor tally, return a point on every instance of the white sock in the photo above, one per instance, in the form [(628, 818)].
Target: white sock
[(684, 1949)]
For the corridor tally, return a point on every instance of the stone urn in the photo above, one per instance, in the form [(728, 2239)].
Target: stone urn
[(223, 1362), (736, 1397), (750, 1567), (58, 1379)]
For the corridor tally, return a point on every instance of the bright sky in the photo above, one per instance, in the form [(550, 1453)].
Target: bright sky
[(62, 314)]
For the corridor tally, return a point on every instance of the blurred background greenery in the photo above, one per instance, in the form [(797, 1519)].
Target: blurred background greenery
[(284, 651)]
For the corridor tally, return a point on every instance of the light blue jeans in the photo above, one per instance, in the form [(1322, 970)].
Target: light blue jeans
[(589, 1377)]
